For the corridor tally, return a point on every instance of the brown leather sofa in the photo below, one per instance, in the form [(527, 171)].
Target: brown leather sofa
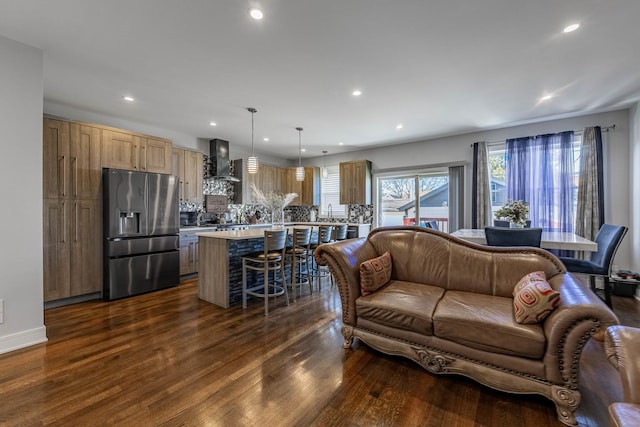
[(622, 346), (449, 307)]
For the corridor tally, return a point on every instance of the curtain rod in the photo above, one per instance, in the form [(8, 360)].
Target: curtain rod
[(579, 132)]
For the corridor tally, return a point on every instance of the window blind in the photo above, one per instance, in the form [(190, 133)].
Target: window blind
[(330, 193)]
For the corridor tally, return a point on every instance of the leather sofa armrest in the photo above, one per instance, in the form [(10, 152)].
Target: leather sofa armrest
[(344, 259), (579, 315), (622, 347)]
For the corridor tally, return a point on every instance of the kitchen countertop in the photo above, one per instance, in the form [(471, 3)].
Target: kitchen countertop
[(257, 230)]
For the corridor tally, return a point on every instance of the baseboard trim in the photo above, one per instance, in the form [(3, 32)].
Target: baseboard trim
[(23, 339)]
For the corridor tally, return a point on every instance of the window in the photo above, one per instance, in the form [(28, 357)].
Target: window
[(397, 194), (497, 172), (330, 193)]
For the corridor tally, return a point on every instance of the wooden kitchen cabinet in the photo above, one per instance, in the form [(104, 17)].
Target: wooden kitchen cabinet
[(308, 190), (355, 182), (189, 252), (156, 155), (128, 151), (187, 166), (72, 248), (71, 160), (72, 218)]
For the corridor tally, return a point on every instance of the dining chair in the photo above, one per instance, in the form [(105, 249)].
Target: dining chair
[(501, 236), (432, 224), (340, 232), (507, 224), (270, 259), (298, 254), (599, 264)]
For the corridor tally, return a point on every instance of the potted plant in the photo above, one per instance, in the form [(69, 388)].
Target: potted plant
[(516, 211)]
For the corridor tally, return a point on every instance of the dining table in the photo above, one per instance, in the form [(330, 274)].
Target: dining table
[(550, 239)]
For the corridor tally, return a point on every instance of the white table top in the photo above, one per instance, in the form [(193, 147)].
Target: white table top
[(550, 239)]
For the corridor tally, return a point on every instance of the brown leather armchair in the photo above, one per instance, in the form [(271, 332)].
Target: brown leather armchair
[(622, 346)]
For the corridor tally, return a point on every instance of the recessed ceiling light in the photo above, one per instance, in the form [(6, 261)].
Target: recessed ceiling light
[(340, 143), (399, 126), (303, 150), (266, 140), (256, 14), (571, 28), (128, 98), (213, 124), (356, 92), (546, 97)]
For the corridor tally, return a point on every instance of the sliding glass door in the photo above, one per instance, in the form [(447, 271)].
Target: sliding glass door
[(397, 195)]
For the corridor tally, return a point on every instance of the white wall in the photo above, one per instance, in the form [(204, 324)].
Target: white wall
[(21, 86), (634, 193), (457, 149)]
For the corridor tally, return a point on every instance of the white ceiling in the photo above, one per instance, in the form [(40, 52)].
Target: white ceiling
[(437, 67)]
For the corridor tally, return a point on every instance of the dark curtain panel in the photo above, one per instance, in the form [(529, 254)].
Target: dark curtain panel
[(590, 210)]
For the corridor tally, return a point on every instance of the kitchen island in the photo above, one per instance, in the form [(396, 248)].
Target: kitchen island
[(220, 263)]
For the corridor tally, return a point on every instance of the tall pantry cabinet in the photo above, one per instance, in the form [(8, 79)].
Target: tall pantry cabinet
[(72, 237)]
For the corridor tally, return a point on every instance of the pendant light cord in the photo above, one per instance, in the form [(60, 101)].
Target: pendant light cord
[(299, 146)]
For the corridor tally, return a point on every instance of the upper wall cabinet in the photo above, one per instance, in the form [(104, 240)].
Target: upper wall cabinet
[(124, 150), (71, 160), (308, 190), (187, 166), (355, 182)]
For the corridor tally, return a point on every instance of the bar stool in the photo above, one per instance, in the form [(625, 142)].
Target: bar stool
[(298, 253), (340, 232), (271, 259), (325, 233)]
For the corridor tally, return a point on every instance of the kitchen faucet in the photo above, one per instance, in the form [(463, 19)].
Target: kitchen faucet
[(330, 210)]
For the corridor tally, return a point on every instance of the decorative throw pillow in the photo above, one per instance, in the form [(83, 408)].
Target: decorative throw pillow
[(533, 298), (375, 273)]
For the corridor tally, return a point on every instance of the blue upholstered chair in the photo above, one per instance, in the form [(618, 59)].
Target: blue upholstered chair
[(504, 223), (599, 265), (432, 224), (501, 236)]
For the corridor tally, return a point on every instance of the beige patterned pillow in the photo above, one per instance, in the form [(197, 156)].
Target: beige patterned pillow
[(533, 298), (375, 273)]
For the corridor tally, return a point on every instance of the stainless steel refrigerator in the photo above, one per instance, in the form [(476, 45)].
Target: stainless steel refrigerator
[(141, 226)]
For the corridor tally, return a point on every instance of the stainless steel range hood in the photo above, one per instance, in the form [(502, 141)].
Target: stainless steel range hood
[(219, 162)]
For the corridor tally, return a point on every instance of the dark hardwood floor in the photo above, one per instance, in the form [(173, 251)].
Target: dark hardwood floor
[(169, 359)]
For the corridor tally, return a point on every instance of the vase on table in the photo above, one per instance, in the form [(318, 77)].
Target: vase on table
[(516, 225), (277, 218)]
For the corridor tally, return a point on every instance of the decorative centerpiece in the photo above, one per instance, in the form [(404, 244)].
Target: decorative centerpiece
[(275, 202), (517, 212)]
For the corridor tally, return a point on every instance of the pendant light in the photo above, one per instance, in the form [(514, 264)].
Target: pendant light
[(252, 161), (299, 169), (325, 172)]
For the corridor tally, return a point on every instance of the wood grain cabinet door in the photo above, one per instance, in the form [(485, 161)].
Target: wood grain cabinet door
[(120, 150), (193, 176), (177, 169), (155, 155), (55, 159), (56, 249), (86, 247), (85, 166)]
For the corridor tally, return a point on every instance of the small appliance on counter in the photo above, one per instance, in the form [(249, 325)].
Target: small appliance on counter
[(141, 226)]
